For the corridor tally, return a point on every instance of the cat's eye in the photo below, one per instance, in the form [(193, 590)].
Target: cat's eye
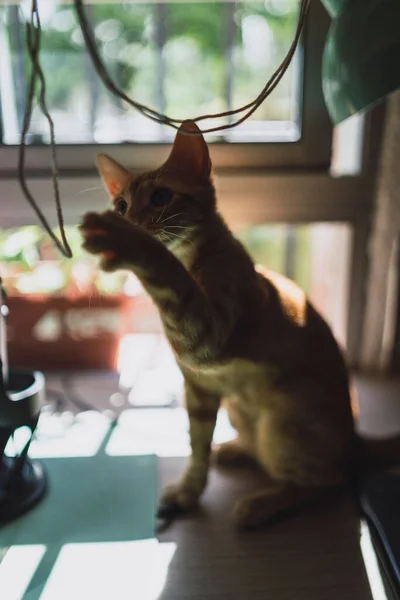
[(121, 206), (161, 197)]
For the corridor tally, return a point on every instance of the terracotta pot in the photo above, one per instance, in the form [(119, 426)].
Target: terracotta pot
[(58, 333)]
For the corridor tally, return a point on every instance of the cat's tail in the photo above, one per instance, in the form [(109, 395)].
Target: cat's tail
[(379, 452)]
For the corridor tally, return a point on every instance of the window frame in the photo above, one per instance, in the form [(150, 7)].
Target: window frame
[(312, 150), (287, 182)]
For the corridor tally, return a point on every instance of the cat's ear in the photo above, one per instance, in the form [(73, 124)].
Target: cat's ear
[(114, 176), (189, 155)]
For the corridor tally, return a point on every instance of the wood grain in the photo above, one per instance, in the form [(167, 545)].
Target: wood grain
[(315, 555)]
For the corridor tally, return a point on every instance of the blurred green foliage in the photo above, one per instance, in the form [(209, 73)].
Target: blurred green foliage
[(194, 61)]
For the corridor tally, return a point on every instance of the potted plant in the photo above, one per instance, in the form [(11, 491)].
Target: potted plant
[(66, 314)]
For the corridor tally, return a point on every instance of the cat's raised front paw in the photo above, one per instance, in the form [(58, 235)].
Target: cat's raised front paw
[(111, 237)]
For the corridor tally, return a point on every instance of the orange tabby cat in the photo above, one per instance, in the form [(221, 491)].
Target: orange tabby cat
[(239, 333)]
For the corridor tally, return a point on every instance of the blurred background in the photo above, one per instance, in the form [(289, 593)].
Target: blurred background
[(315, 201), (185, 59), (298, 192), (181, 58)]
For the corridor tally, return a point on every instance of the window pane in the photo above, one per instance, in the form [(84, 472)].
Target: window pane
[(69, 315), (316, 256), (181, 58)]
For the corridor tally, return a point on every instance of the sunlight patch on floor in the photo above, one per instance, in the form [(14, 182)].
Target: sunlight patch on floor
[(62, 436), (148, 372), (17, 569), (371, 565), (122, 570), (160, 431), (163, 432)]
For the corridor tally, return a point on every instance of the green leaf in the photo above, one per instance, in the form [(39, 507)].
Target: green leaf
[(361, 62)]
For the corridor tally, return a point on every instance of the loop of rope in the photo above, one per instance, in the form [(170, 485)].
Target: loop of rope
[(158, 117), (33, 38)]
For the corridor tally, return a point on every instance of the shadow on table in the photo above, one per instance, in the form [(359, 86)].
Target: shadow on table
[(90, 499)]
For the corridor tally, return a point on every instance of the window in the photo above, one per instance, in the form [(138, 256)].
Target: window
[(68, 315), (316, 256), (275, 171), (182, 58)]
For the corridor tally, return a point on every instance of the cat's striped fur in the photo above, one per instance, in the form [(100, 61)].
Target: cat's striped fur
[(239, 334)]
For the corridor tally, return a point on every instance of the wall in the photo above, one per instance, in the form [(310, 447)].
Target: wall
[(380, 318)]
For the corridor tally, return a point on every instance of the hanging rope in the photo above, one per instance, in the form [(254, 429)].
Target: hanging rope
[(152, 114), (33, 39)]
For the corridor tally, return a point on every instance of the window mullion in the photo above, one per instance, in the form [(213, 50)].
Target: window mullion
[(19, 65), (9, 113), (160, 17), (93, 82), (229, 38)]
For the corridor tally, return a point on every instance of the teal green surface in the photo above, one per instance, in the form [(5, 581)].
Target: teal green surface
[(361, 62), (97, 499), (334, 7)]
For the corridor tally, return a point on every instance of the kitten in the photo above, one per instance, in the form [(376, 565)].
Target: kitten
[(239, 333)]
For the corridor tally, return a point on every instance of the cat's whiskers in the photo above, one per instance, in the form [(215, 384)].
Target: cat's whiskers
[(181, 237), (92, 189), (175, 227), (171, 217), (161, 214), (161, 235), (165, 234)]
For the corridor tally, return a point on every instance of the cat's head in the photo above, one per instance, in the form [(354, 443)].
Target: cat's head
[(171, 202)]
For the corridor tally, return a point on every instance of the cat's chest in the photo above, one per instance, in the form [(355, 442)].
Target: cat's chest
[(233, 377)]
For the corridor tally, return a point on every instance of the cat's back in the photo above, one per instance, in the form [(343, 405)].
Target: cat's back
[(285, 295), (298, 336)]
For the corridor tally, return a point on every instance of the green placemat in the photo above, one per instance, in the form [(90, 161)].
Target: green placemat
[(90, 499)]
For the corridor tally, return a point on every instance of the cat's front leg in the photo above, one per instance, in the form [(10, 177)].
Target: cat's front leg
[(195, 326), (123, 245), (202, 408)]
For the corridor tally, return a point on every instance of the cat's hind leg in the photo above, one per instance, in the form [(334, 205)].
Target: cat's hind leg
[(232, 453), (304, 452), (240, 450), (263, 507)]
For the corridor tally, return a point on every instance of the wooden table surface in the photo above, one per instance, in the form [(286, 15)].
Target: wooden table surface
[(313, 556)]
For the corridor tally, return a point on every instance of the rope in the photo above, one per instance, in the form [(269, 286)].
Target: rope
[(33, 38), (158, 117)]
